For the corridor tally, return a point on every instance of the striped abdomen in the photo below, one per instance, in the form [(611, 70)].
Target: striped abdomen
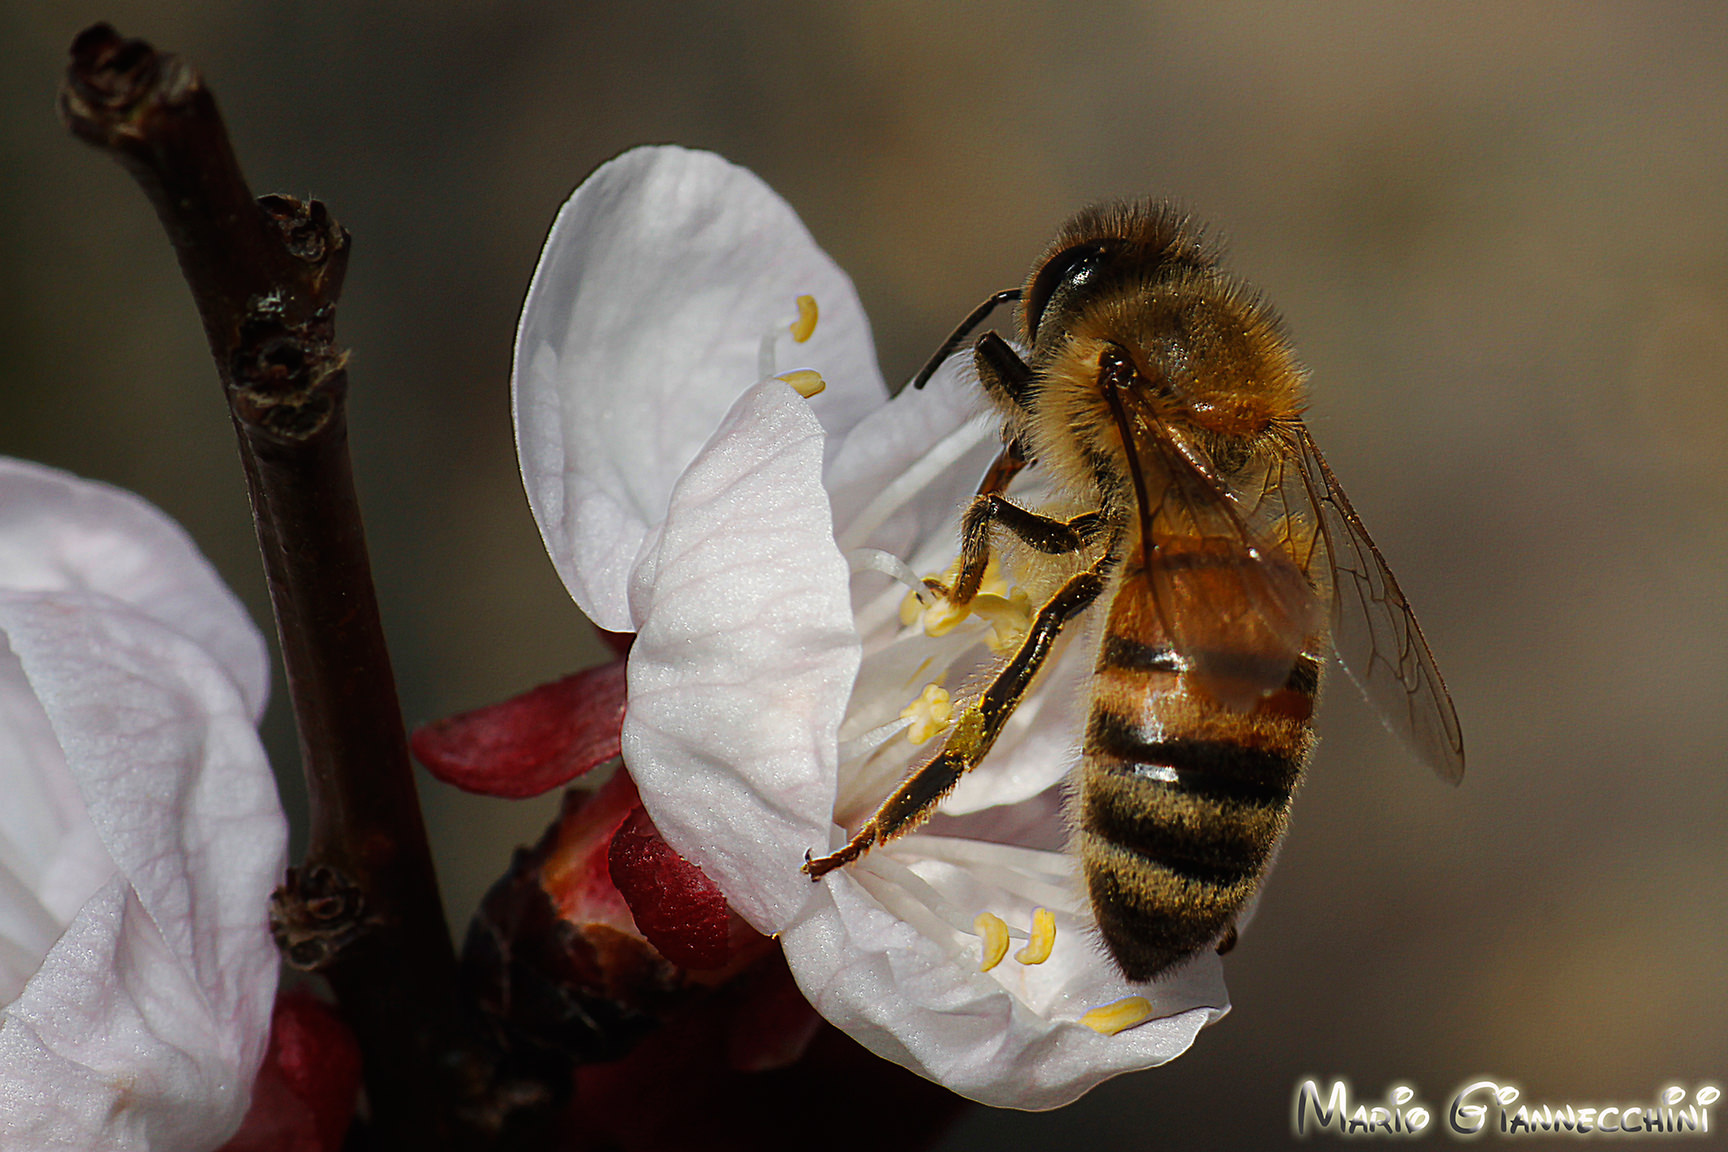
[(1181, 799)]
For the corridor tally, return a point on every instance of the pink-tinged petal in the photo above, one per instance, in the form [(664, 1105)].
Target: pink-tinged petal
[(62, 533), (304, 1097), (51, 859), (530, 743), (147, 1019), (643, 325), (906, 985), (680, 911), (743, 664)]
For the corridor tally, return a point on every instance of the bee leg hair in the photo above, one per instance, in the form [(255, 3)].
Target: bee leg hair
[(974, 730)]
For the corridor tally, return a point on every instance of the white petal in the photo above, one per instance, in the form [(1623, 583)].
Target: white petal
[(742, 666), (907, 471), (147, 1019), (51, 860), (907, 987), (59, 532), (643, 324)]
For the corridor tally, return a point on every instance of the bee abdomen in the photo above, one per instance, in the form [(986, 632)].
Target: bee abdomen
[(1179, 813)]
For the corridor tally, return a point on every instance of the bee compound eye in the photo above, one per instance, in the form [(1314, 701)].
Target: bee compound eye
[(1068, 272)]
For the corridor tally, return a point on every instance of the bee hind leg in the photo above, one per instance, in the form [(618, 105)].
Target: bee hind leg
[(975, 728)]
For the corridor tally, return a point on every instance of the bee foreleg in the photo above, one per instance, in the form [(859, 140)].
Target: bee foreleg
[(974, 731), (1001, 371), (1047, 534)]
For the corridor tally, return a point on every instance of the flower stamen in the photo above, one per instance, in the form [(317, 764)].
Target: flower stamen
[(1118, 1017), (1038, 948), (1008, 611), (992, 930), (806, 382), (929, 714), (801, 330), (916, 478), (876, 560), (1009, 618), (861, 746), (803, 327)]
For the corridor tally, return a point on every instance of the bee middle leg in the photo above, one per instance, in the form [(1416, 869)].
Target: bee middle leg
[(974, 730), (1045, 533)]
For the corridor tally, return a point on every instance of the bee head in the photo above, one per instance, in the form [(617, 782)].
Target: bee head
[(1096, 252)]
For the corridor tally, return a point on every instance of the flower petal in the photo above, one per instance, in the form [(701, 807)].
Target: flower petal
[(644, 322), (745, 658), (62, 533), (905, 473), (51, 860), (147, 1019), (900, 483), (906, 985)]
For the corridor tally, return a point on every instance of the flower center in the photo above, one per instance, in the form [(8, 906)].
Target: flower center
[(800, 330)]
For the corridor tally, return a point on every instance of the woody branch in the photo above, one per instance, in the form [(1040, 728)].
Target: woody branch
[(363, 907)]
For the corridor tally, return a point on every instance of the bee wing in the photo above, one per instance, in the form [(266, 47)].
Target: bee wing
[(1374, 631), (1237, 607)]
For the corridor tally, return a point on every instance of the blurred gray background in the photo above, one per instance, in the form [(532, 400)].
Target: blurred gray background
[(1499, 233)]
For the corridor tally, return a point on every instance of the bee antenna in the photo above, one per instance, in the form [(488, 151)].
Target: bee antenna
[(959, 334)]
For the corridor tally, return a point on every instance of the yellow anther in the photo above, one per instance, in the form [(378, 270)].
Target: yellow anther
[(944, 616), (1118, 1017), (993, 931), (804, 382), (1037, 949), (1009, 618), (806, 322), (1008, 611), (993, 582), (929, 713)]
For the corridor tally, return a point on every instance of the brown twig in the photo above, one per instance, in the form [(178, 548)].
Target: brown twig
[(363, 907)]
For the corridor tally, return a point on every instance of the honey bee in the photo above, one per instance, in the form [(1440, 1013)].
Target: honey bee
[(1163, 397)]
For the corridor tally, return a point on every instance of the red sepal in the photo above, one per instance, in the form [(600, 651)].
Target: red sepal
[(676, 906), (684, 1085), (304, 1096), (774, 1024), (530, 743)]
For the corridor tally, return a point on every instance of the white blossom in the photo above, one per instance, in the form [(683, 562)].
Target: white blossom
[(760, 545), (140, 835)]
